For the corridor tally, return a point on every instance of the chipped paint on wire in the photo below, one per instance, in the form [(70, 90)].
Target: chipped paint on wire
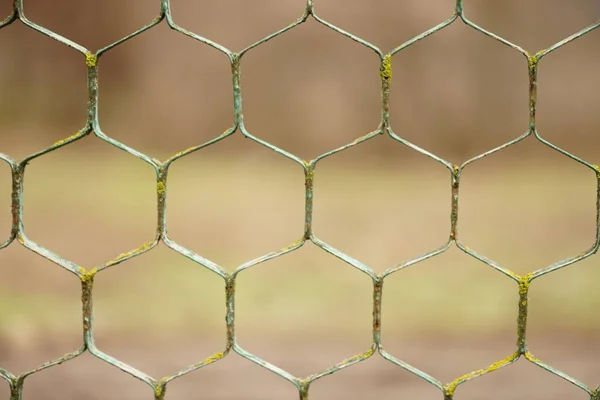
[(159, 385)]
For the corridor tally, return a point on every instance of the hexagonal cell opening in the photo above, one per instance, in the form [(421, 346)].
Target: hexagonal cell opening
[(527, 207), (47, 83), (554, 20), (40, 310), (246, 22), (235, 201), (85, 377), (89, 202), (450, 307), (382, 210), (162, 105), (520, 380), (323, 92), (5, 201), (233, 377), (375, 378), (463, 93), (562, 328), (371, 20), (305, 311), (159, 312), (568, 97), (90, 23)]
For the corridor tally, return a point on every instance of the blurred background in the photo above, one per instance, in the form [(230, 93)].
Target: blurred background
[(457, 94)]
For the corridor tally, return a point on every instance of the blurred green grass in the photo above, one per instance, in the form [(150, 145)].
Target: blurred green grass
[(307, 291)]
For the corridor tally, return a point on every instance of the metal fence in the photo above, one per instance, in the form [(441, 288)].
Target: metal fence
[(92, 126)]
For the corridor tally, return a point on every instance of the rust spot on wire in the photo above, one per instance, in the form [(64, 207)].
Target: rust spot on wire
[(237, 90), (377, 294), (230, 316), (454, 209), (309, 183), (533, 64), (16, 204)]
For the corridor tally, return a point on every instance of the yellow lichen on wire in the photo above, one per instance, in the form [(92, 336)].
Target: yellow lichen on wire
[(386, 68), (597, 168), (451, 387), (358, 357), (213, 358), (73, 136), (530, 357), (182, 152), (85, 275), (524, 283), (158, 390), (293, 245), (90, 59), (309, 172), (365, 137), (532, 60), (225, 132), (309, 176), (140, 249), (160, 187)]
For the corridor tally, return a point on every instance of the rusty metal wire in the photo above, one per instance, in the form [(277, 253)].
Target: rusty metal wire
[(92, 126)]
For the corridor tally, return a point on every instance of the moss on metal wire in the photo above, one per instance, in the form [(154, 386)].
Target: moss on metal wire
[(385, 72)]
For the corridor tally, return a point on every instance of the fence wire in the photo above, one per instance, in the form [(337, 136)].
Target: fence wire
[(92, 126)]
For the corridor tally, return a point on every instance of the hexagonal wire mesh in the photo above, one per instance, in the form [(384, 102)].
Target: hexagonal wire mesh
[(161, 168)]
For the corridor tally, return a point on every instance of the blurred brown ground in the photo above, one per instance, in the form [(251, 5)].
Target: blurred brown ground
[(457, 94)]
